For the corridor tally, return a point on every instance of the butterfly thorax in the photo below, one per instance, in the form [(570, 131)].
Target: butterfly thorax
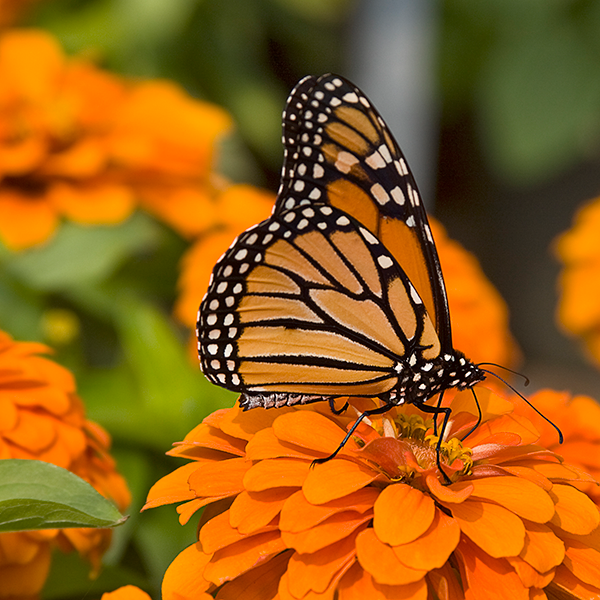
[(421, 379)]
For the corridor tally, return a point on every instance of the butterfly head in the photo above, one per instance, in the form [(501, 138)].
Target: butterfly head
[(419, 380)]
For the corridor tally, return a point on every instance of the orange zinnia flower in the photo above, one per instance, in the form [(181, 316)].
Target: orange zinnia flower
[(377, 521), (42, 418), (579, 251), (80, 143)]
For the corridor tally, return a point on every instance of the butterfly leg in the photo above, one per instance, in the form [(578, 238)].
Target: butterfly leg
[(438, 410), (367, 413), (337, 411), (479, 417)]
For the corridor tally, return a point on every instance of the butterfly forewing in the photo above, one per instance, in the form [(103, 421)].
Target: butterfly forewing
[(339, 151), (311, 302)]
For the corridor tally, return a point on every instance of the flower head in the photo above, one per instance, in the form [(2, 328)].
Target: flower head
[(77, 142), (377, 521), (42, 418), (579, 251)]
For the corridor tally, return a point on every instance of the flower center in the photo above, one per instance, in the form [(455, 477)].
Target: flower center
[(415, 431)]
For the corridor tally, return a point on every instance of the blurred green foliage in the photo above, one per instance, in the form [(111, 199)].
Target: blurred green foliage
[(529, 71)]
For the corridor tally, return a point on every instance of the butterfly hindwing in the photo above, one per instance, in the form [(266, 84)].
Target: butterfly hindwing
[(339, 151), (311, 302)]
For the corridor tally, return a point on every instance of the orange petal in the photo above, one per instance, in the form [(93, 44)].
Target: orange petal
[(432, 549), (486, 577), (314, 572), (220, 478), (520, 496), (560, 472), (217, 533), (494, 529), (336, 478), (583, 562), (232, 561), (265, 445), (357, 584), (187, 510), (445, 583), (528, 575), (183, 579), (382, 563), (310, 430), (542, 550), (455, 493), (575, 512), (565, 581), (211, 437), (245, 425), (530, 474), (131, 592), (279, 472), (252, 510), (394, 503), (298, 514), (260, 583), (173, 487), (334, 529)]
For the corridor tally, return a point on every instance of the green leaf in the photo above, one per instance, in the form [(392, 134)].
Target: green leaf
[(79, 254), (40, 495)]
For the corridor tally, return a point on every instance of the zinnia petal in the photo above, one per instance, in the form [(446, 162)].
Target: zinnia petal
[(184, 579), (485, 577), (493, 528), (432, 549), (543, 550), (520, 496), (382, 563), (335, 479), (282, 472), (332, 530), (238, 558), (251, 511), (391, 507), (575, 512)]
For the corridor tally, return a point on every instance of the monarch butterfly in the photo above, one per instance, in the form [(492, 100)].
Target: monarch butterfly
[(340, 291)]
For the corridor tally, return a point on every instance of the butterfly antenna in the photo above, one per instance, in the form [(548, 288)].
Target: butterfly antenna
[(490, 364), (560, 435)]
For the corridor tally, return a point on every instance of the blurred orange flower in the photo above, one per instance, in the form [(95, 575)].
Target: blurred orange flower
[(80, 143), (42, 418), (376, 521), (127, 592), (233, 211), (12, 10), (479, 315), (579, 284)]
